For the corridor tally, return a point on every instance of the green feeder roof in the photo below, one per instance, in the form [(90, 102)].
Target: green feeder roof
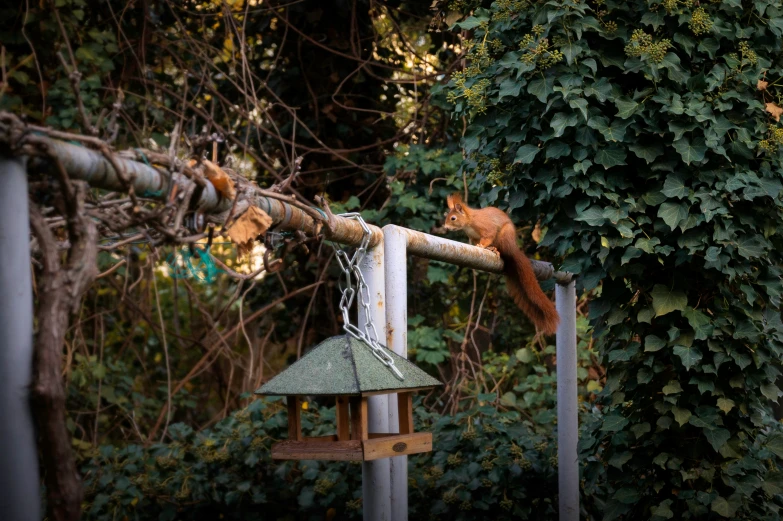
[(345, 365)]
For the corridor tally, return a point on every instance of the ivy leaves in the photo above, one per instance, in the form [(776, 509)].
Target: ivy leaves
[(673, 213), (692, 150), (689, 356), (526, 154), (645, 168), (665, 300)]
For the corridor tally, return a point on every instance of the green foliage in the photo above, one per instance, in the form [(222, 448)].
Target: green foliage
[(485, 464), (649, 157)]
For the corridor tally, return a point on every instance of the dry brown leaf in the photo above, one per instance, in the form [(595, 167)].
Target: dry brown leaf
[(536, 234), (762, 85), (219, 179), (774, 110), (250, 225)]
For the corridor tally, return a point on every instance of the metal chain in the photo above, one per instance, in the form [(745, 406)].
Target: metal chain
[(353, 283)]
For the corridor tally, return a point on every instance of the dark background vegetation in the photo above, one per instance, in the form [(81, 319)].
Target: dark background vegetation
[(630, 141)]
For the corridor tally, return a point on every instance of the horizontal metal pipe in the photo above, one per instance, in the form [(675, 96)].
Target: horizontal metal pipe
[(462, 254), (92, 166), (153, 183)]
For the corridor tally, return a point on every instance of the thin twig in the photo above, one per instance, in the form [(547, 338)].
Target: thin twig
[(166, 354)]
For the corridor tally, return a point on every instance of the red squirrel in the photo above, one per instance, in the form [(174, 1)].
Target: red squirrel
[(493, 229)]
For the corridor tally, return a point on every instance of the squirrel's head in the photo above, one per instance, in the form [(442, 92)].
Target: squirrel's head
[(457, 216)]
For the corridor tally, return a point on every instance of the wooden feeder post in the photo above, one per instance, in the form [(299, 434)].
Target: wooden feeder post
[(345, 368), (343, 419), (294, 418)]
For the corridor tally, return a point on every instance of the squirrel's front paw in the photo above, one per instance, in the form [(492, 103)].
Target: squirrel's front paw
[(493, 250)]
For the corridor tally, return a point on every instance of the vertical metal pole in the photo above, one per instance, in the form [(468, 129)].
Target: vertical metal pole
[(19, 481), (395, 247), (567, 413), (376, 491)]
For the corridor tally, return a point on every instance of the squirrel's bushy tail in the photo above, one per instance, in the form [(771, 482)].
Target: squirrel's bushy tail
[(523, 285)]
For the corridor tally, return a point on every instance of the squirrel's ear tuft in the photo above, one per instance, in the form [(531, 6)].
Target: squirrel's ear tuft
[(450, 201)]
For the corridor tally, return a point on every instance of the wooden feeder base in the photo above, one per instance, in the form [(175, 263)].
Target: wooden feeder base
[(379, 445)]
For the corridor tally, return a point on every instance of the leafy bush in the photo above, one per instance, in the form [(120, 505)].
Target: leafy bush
[(495, 459), (644, 135), (486, 464)]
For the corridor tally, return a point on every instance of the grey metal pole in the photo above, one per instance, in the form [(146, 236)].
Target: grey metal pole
[(19, 481), (567, 412), (395, 243), (376, 492)]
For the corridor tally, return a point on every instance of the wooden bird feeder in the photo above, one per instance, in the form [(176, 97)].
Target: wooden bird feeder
[(344, 367)]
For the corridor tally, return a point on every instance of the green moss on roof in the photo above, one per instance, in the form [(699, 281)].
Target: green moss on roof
[(345, 365)]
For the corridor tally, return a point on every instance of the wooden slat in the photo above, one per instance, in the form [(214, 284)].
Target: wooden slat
[(322, 439), (405, 412), (390, 391), (398, 445), (343, 419), (317, 450), (374, 435), (294, 418), (358, 407)]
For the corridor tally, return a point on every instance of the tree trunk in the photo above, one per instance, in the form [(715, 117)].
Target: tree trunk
[(60, 291)]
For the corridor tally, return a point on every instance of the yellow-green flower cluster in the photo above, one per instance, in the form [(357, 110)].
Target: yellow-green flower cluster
[(541, 53), (475, 95), (454, 459), (672, 5), (210, 455), (524, 463), (478, 54), (354, 505), (468, 435), (774, 141), (166, 462), (642, 44), (700, 22), (748, 53), (495, 45), (496, 174), (479, 59), (609, 26), (505, 9), (433, 473), (464, 6), (323, 486), (450, 497)]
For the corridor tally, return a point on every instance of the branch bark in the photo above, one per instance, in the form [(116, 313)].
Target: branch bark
[(60, 288)]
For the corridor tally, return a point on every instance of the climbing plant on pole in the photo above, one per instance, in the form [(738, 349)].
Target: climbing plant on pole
[(645, 137)]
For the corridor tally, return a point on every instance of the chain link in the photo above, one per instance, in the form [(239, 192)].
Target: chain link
[(353, 284)]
